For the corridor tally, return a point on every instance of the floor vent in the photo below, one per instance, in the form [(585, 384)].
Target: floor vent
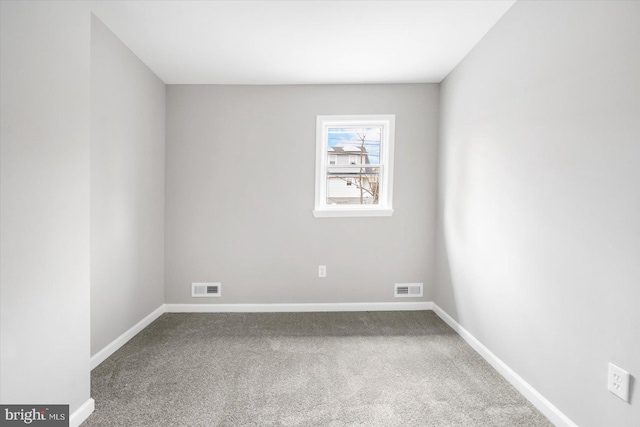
[(408, 290), (206, 289)]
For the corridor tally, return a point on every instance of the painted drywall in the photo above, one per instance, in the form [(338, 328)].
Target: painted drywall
[(240, 177), (44, 199), (539, 200), (127, 188)]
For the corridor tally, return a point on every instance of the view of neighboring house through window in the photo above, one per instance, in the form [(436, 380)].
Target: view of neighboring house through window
[(342, 144), (354, 165)]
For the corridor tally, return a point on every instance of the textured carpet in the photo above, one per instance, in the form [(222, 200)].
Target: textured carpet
[(303, 369)]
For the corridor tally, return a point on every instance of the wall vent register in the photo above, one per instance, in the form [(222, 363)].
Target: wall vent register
[(206, 289), (408, 290)]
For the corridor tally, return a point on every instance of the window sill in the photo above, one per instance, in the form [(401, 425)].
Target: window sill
[(343, 213)]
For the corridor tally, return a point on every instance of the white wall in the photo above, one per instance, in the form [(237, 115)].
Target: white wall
[(44, 198), (127, 188), (240, 183), (539, 200)]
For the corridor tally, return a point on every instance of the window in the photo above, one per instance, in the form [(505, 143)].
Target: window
[(354, 165)]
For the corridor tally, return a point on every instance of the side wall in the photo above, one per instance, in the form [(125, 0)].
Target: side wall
[(127, 188), (539, 200), (44, 199), (240, 195)]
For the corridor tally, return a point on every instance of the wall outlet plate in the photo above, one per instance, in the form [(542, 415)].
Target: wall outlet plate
[(618, 382), (322, 271)]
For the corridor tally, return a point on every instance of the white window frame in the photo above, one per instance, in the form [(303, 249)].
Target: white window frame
[(385, 198)]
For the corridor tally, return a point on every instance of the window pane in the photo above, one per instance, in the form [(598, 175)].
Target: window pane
[(353, 186), (354, 145)]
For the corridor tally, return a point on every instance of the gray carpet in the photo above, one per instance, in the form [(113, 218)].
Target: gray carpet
[(303, 369)]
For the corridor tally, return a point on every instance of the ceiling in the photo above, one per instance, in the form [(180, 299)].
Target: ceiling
[(300, 42)]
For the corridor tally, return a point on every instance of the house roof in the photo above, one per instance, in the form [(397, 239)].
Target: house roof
[(347, 150)]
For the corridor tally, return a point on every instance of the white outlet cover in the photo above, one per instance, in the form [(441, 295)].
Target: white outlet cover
[(322, 271), (618, 382)]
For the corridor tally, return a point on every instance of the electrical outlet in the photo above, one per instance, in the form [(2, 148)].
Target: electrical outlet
[(322, 271), (618, 382)]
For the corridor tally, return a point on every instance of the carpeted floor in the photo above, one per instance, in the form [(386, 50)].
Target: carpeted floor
[(303, 369)]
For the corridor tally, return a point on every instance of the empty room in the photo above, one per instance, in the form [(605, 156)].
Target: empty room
[(320, 213)]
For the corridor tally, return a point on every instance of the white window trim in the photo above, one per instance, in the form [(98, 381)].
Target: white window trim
[(385, 205)]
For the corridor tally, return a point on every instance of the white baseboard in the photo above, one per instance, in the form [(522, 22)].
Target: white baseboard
[(111, 348), (295, 307), (531, 394), (82, 413)]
